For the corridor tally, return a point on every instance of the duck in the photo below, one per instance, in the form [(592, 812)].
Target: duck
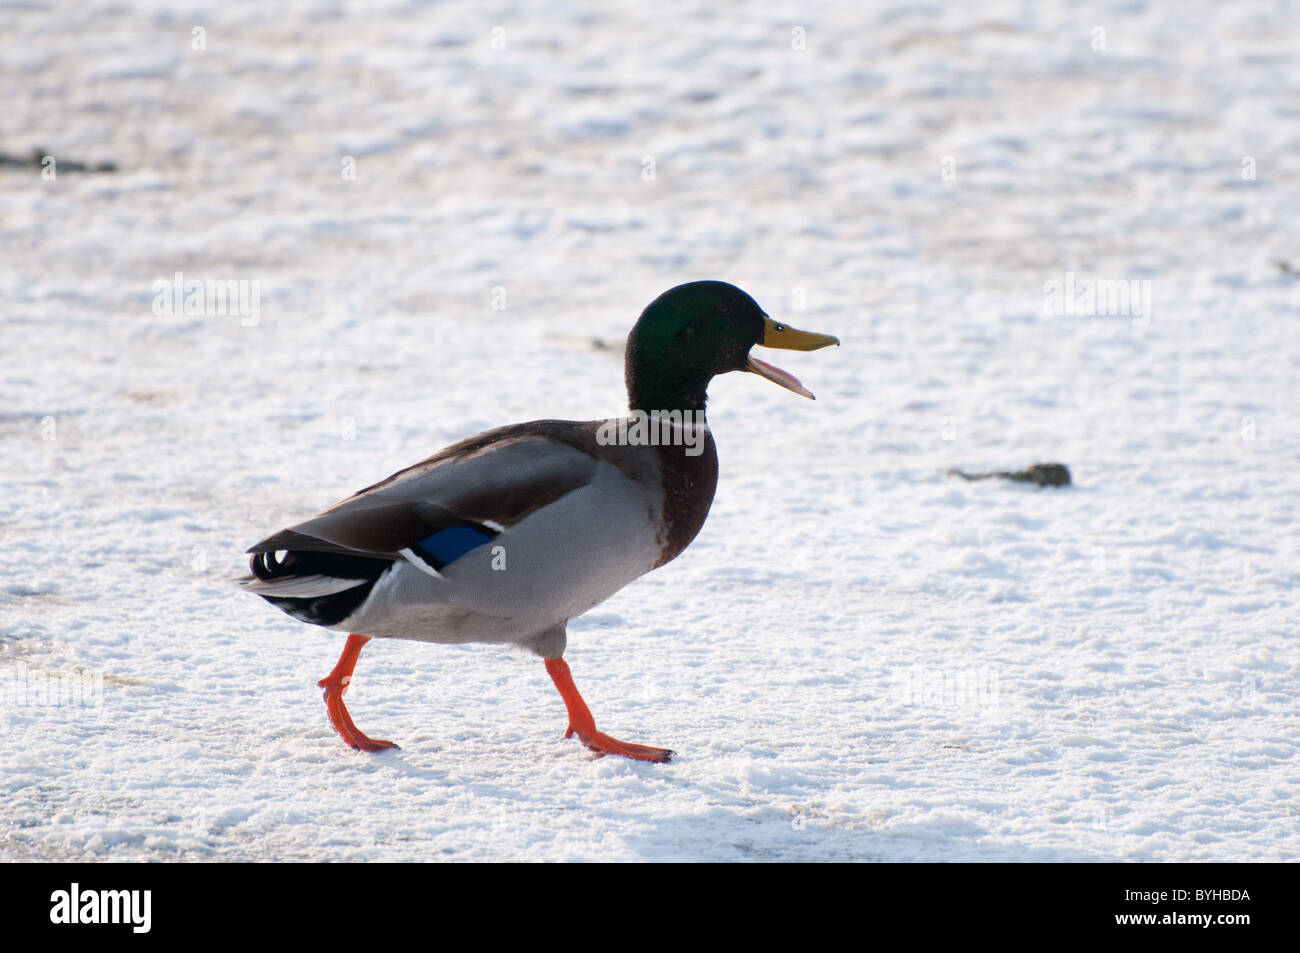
[(506, 536)]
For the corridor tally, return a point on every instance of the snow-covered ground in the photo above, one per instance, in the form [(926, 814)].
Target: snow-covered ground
[(445, 207)]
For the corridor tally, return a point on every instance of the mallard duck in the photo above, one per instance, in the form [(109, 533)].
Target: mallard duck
[(506, 536)]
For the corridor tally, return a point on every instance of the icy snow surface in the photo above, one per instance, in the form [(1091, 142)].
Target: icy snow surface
[(860, 657)]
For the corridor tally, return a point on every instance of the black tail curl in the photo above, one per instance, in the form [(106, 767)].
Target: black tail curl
[(328, 610), (302, 562)]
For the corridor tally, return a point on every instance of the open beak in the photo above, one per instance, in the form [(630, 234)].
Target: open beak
[(780, 335)]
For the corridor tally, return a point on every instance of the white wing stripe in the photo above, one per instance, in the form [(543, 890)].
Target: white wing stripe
[(411, 557)]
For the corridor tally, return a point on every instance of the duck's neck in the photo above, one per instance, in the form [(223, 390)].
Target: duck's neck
[(688, 469), (651, 389)]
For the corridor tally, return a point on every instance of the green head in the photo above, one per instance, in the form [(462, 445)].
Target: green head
[(695, 331)]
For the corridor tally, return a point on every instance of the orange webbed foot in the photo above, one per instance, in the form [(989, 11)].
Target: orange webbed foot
[(584, 726), (336, 686)]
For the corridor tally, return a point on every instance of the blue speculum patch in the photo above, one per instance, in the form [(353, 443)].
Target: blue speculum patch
[(448, 545)]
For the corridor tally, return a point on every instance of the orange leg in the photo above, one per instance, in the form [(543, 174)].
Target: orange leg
[(336, 685), (584, 726)]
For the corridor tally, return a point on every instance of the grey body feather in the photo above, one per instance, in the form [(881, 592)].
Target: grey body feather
[(574, 522)]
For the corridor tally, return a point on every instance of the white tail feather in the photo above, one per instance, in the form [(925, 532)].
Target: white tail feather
[(301, 587)]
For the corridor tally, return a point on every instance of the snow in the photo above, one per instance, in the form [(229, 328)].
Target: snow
[(859, 658)]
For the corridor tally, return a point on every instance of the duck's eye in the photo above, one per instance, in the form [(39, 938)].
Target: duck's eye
[(722, 309)]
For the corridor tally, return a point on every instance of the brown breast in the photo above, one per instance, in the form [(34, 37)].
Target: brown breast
[(689, 483)]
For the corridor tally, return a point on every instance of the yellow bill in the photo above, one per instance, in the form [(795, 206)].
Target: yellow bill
[(783, 336)]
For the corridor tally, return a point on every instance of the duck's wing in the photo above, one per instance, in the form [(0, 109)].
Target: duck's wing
[(429, 514)]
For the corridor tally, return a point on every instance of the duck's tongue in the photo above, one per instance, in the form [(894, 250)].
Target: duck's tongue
[(778, 376)]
